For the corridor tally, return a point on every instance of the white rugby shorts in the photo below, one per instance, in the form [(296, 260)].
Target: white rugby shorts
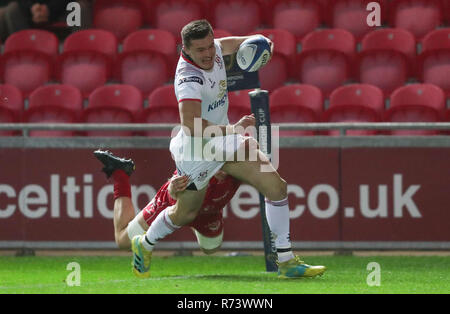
[(200, 159)]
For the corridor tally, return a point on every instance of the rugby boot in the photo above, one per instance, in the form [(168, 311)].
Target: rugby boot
[(141, 257), (112, 163), (296, 268)]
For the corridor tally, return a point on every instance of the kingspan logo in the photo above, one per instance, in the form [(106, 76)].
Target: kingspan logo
[(217, 103)]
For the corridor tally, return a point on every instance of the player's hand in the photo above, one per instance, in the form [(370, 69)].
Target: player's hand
[(220, 175), (244, 122), (178, 183)]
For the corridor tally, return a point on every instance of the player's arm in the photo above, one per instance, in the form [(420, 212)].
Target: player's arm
[(191, 114), (231, 45)]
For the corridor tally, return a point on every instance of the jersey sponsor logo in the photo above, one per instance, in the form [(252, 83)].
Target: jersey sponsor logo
[(217, 103), (221, 96), (189, 79)]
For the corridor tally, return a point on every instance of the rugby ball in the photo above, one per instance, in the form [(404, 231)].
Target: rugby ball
[(253, 54)]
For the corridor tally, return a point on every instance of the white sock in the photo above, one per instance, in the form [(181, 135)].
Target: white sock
[(161, 227), (277, 213)]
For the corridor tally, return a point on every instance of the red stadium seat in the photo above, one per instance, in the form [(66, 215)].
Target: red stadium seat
[(172, 15), (239, 98), (434, 60), (121, 17), (355, 103), (163, 96), (11, 106), (54, 104), (417, 16), (239, 17), (296, 103), (351, 15), (28, 58), (387, 58), (285, 47), (416, 103), (152, 40), (162, 108), (274, 74), (299, 17), (238, 105), (113, 104), (87, 58), (446, 4), (326, 58), (148, 59)]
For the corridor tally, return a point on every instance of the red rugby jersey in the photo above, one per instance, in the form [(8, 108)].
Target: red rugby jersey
[(218, 195)]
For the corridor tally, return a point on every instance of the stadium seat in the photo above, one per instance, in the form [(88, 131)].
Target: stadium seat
[(387, 58), (434, 60), (54, 104), (28, 58), (351, 15), (240, 98), (274, 74), (121, 17), (417, 16), (355, 103), (11, 106), (148, 59), (87, 59), (299, 17), (326, 59), (162, 108), (446, 4), (239, 17), (238, 105), (285, 47), (296, 103), (416, 103), (172, 15), (117, 103)]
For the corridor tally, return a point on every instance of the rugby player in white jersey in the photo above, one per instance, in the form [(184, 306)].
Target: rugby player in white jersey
[(201, 90)]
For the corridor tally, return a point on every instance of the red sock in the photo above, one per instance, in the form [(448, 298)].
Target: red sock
[(122, 185)]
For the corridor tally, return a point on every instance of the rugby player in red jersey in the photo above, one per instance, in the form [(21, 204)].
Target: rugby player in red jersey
[(208, 226)]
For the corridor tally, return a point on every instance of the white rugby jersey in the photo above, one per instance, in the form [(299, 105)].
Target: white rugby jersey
[(209, 87)]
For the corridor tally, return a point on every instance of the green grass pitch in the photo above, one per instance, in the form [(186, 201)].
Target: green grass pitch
[(222, 275)]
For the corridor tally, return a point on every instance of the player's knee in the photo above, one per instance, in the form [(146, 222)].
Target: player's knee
[(209, 245), (210, 251), (283, 188), (278, 190)]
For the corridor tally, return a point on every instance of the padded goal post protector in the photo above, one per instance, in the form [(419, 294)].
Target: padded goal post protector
[(259, 100), (237, 79)]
